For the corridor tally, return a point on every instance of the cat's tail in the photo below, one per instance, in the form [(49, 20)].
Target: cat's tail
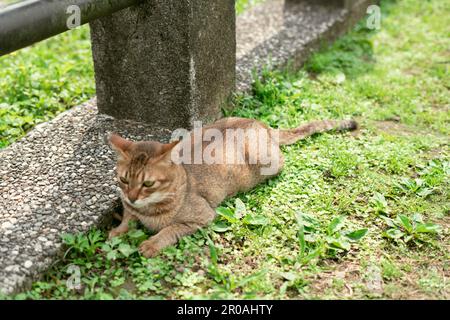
[(291, 136)]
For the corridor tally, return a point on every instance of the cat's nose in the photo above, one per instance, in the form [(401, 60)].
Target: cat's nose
[(132, 199)]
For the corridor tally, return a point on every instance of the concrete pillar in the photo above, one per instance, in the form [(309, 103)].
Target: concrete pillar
[(166, 62)]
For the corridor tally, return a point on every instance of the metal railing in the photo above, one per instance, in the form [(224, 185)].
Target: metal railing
[(27, 22)]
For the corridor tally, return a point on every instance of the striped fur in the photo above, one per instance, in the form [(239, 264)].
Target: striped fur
[(181, 197), (291, 136)]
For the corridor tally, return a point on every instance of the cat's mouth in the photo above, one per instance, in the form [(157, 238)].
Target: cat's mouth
[(154, 198)]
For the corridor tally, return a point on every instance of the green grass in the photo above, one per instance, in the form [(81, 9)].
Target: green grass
[(41, 81), (355, 215), (9, 1), (242, 5)]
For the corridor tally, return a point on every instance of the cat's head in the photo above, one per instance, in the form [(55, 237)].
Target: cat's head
[(145, 171)]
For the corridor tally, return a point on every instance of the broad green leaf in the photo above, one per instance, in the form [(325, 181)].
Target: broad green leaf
[(301, 238), (227, 214), (106, 247), (212, 251), (339, 243), (394, 233), (105, 296), (291, 276), (389, 221), (356, 235), (335, 225), (240, 210), (428, 228), (220, 226), (112, 255), (136, 234), (406, 223), (256, 220), (126, 249), (147, 285), (379, 200), (115, 241)]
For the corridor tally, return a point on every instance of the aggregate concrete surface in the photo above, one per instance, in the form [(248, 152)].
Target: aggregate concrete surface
[(59, 178)]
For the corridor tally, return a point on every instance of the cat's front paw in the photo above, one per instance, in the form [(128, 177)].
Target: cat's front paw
[(115, 233), (148, 249)]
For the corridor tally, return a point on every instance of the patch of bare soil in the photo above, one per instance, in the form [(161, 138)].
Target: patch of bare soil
[(394, 127), (348, 273), (421, 277)]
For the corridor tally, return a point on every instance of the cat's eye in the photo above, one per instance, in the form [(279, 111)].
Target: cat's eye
[(124, 180), (148, 183)]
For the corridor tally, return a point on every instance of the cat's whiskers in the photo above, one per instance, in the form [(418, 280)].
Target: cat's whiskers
[(155, 198)]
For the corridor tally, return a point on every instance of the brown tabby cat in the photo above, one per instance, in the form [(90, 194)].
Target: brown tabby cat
[(176, 199)]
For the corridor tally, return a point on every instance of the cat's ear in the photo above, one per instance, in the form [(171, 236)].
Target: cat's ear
[(120, 144), (166, 151)]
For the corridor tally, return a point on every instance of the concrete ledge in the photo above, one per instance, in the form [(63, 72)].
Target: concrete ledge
[(284, 34), (60, 177)]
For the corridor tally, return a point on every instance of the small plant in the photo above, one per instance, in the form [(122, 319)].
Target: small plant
[(316, 240), (338, 239), (118, 248), (435, 172), (86, 245), (379, 203), (115, 248), (415, 186), (238, 217), (410, 228)]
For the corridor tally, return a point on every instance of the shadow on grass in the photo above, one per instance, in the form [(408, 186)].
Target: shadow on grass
[(352, 55)]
